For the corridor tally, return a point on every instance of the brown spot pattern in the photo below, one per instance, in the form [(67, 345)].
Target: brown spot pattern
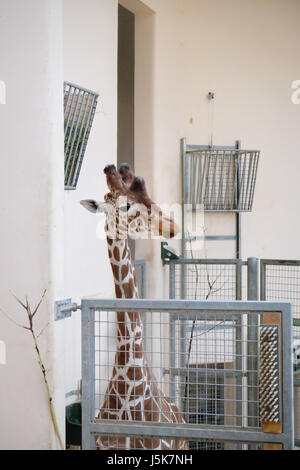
[(124, 271), (118, 291), (116, 253)]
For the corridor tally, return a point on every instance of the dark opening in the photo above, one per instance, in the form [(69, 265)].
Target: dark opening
[(126, 54)]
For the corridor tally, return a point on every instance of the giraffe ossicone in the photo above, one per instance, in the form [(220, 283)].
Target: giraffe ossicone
[(133, 393)]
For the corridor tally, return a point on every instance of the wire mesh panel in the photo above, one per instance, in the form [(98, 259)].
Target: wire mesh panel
[(205, 279), (221, 179), (159, 391), (280, 280), (79, 110)]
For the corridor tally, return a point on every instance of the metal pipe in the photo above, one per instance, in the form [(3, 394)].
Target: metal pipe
[(252, 279), (252, 344)]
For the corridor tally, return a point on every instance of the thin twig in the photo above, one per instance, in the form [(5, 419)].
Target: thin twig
[(18, 300), (209, 293), (38, 305), (35, 337), (13, 321), (42, 330)]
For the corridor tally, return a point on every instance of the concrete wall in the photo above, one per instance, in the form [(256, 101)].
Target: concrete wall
[(48, 240), (90, 60), (245, 52), (31, 191)]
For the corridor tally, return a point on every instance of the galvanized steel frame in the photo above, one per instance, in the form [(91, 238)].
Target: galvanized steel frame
[(204, 261), (263, 283), (141, 265), (263, 292), (184, 310), (252, 294), (185, 150)]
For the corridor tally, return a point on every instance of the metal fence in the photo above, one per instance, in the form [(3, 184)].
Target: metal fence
[(237, 279), (140, 267), (280, 280), (229, 387), (79, 110), (205, 279)]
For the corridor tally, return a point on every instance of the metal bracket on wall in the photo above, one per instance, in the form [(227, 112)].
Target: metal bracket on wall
[(187, 152), (64, 308), (76, 393), (212, 237), (167, 252)]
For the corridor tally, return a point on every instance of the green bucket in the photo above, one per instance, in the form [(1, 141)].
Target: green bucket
[(73, 424)]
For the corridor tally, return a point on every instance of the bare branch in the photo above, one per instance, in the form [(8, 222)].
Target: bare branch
[(35, 337), (42, 330), (18, 300), (38, 305), (13, 321), (210, 329)]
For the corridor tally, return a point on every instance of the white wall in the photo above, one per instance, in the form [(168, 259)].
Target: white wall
[(246, 52), (47, 238), (90, 60), (31, 139)]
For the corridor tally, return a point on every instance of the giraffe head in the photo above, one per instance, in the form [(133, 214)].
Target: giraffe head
[(130, 212)]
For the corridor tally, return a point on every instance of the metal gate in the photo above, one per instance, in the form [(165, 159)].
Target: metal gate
[(225, 279), (280, 280), (241, 351), (205, 279)]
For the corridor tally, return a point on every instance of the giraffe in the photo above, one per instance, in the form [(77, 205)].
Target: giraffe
[(133, 393)]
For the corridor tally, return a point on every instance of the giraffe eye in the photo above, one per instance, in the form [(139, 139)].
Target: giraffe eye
[(125, 208)]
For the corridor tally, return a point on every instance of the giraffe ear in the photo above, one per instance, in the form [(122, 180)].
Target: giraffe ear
[(91, 205), (96, 206)]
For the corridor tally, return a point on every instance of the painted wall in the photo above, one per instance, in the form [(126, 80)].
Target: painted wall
[(90, 60), (31, 139), (245, 52), (48, 240)]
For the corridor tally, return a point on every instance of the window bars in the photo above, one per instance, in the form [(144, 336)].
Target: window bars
[(221, 391), (79, 110)]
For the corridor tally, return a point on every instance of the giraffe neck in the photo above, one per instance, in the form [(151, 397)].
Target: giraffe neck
[(123, 269), (130, 325)]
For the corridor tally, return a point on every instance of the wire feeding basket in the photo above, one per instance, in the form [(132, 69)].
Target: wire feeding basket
[(221, 179)]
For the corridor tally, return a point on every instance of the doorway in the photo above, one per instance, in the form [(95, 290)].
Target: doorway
[(126, 67)]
